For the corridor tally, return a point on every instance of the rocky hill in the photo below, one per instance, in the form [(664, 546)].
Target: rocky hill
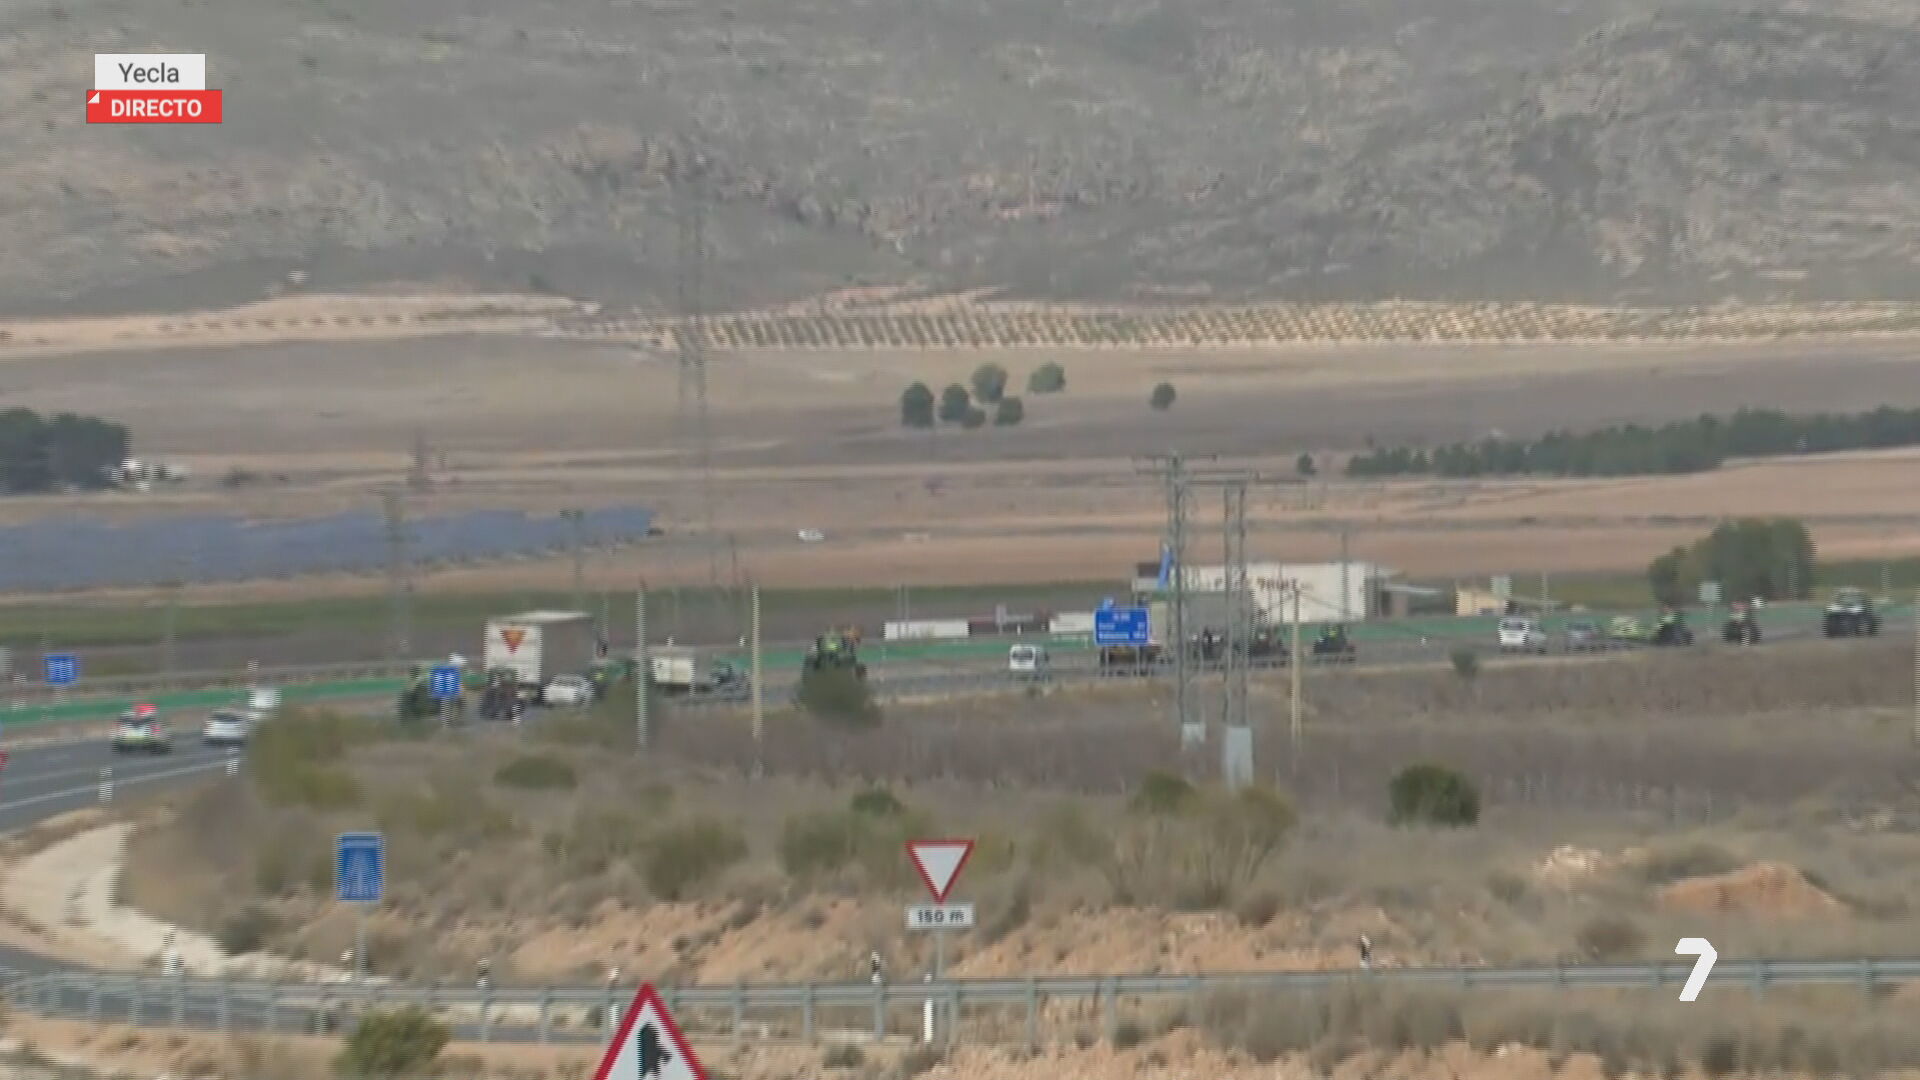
[(1121, 149)]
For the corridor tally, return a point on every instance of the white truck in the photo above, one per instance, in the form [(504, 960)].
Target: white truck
[(539, 645), (679, 670)]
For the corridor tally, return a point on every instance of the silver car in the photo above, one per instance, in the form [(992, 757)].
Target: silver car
[(226, 727)]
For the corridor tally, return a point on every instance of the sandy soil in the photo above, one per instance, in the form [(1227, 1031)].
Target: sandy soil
[(812, 441)]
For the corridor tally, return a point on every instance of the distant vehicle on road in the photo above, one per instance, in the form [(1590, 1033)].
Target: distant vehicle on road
[(1585, 635), (1521, 635), (1850, 614), (569, 690), (141, 731), (1029, 660), (226, 727), (1741, 628)]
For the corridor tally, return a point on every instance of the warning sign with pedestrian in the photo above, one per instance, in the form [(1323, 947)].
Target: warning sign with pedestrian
[(648, 1045)]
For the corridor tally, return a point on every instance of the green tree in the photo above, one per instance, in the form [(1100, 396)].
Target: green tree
[(955, 403), (1009, 412), (989, 383), (1771, 558), (916, 406), (1048, 378), (975, 419), (1304, 466), (392, 1043), (1163, 396)]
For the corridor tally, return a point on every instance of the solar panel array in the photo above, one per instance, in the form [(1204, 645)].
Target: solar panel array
[(76, 553)]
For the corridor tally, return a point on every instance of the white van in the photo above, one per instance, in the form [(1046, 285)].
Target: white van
[(1522, 635), (1024, 659)]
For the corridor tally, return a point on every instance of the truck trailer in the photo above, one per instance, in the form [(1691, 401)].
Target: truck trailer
[(536, 646)]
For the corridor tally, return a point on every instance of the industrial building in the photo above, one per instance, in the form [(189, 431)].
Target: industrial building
[(1329, 592)]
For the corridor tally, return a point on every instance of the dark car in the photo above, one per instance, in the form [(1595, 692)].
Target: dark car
[(1585, 635)]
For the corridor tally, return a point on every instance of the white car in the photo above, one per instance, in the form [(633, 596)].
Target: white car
[(1028, 660), (1522, 635), (568, 690), (226, 727), (262, 702)]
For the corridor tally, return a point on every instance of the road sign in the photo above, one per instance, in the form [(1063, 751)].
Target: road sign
[(939, 863), (1710, 592), (1121, 626), (444, 682), (940, 916), (648, 1045), (63, 669), (359, 868)]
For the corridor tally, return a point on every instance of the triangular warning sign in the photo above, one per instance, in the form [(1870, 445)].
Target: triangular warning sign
[(648, 1045), (939, 863), (513, 636)]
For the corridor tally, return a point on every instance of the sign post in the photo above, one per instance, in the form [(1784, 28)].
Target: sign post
[(359, 871), (648, 1045), (939, 863), (444, 683), (63, 670)]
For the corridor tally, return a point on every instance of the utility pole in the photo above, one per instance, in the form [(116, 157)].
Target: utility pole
[(170, 630), (1172, 468), (1296, 661), (642, 672), (753, 676), (1346, 588), (576, 540), (1236, 744), (690, 336), (1916, 665), (399, 583)]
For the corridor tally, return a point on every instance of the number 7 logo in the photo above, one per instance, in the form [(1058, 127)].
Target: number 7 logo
[(1702, 948)]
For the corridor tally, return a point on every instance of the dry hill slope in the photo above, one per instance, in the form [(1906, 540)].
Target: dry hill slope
[(1115, 148)]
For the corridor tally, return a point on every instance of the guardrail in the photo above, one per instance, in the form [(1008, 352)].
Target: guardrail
[(578, 1013), (34, 694)]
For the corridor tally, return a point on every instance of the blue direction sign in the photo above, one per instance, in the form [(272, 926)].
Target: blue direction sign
[(63, 669), (1121, 626), (444, 682), (359, 868)]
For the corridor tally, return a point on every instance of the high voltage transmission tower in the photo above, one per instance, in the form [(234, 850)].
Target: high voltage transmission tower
[(692, 416)]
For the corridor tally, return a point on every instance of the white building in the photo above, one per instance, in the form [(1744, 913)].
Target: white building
[(1322, 586)]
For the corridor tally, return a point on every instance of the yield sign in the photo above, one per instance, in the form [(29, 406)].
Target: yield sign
[(512, 636), (939, 862), (648, 1045)]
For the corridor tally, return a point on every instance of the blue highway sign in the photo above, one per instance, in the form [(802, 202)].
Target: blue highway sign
[(63, 669), (359, 868), (445, 682), (1121, 626)]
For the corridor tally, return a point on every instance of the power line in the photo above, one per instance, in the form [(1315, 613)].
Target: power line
[(399, 578), (692, 385)]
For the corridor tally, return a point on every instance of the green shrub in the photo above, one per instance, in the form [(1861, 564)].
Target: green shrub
[(955, 403), (813, 845), (1304, 466), (595, 839), (246, 931), (1665, 865), (877, 802), (1432, 795), (444, 808), (1009, 412), (387, 1044), (989, 383), (916, 406), (1048, 378), (1466, 662), (975, 419), (1163, 396), (1163, 793), (294, 761), (837, 695), (536, 772), (682, 857), (843, 1056)]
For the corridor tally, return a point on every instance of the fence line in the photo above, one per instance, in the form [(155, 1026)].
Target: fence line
[(584, 1013)]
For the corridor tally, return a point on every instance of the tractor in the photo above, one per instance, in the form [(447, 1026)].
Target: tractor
[(1850, 614), (1128, 659), (1741, 627), (1333, 646), (836, 649), (1672, 628)]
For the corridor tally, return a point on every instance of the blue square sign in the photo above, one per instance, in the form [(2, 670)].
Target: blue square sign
[(444, 682), (1122, 626), (359, 868), (63, 669)]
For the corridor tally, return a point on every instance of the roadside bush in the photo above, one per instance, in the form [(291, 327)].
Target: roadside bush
[(1163, 397), (917, 406), (1663, 865), (446, 808), (975, 419), (294, 760), (1432, 795), (823, 843), (246, 931), (877, 802), (1163, 793), (1009, 412), (1304, 466), (536, 772), (1196, 852), (387, 1044), (685, 856), (1609, 937), (843, 1056), (1466, 662), (596, 839), (839, 696), (989, 383), (1048, 378)]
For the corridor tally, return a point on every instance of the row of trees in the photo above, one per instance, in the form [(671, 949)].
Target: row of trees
[(39, 454), (957, 403), (1633, 450), (1768, 558)]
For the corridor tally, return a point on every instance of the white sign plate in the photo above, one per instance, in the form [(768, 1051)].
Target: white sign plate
[(940, 917)]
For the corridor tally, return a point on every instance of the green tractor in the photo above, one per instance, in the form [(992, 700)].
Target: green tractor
[(1669, 629), (1850, 614), (1741, 628), (837, 649)]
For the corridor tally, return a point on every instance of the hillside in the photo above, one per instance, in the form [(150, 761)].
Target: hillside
[(1118, 149)]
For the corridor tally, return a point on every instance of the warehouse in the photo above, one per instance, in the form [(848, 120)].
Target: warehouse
[(1329, 592)]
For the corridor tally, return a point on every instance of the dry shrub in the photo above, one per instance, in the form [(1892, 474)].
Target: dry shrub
[(1665, 864), (688, 854), (1195, 852), (296, 760), (1609, 937)]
